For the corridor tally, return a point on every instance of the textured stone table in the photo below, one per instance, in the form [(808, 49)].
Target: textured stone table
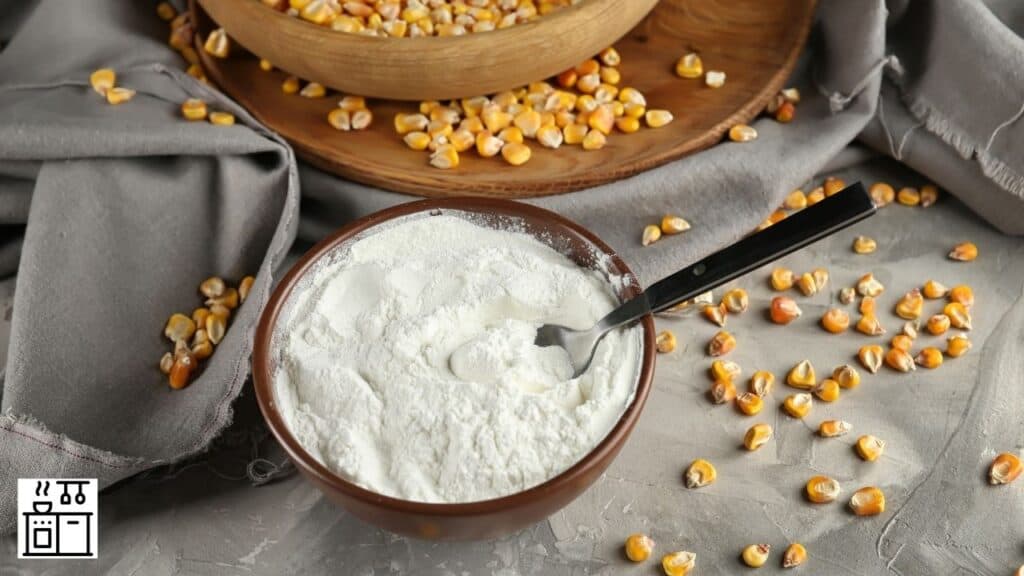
[(942, 428)]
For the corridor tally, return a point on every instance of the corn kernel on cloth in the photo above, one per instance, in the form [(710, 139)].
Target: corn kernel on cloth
[(113, 214)]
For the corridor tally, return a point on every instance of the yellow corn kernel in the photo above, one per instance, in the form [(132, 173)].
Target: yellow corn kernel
[(193, 109), (882, 194), (602, 118), (933, 290), (806, 284), (795, 200), (820, 276), (798, 405), (714, 78), (474, 125), (222, 118), (588, 83), (761, 383), (495, 120), (864, 245), (910, 305), (721, 344), (938, 324), (964, 252), (794, 556), (406, 123), (462, 140), (610, 56), (515, 153), (868, 285), (782, 279), (414, 140), (488, 145), (439, 128), (657, 118), (957, 346), (690, 66), (870, 357), (511, 134), (827, 390), (181, 370), (749, 403), (756, 555), (594, 140), (550, 136), (834, 428), (867, 305), (908, 196), (427, 106), (166, 362), (847, 376), (636, 111), (165, 11), (290, 85), (736, 300), (1005, 468), (869, 324), (742, 133), (929, 357), (833, 185), (567, 79), (589, 66), (722, 391), (199, 316), (202, 350), (902, 341), (216, 325), (265, 65), (910, 328), (245, 286), (802, 376), (217, 44), (213, 287), (341, 120), (651, 234), (786, 113), (716, 314), (776, 216), (822, 489), (196, 71), (575, 133), (959, 317), (868, 501), (639, 547), (118, 95), (725, 370), (815, 196), (528, 121), (929, 195), (869, 447), (665, 341), (784, 310), (353, 103), (835, 320), (700, 474), (899, 360), (179, 327), (610, 75), (102, 80), (678, 563), (757, 435), (962, 294), (349, 24)]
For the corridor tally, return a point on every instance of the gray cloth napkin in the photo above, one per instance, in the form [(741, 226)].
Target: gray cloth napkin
[(111, 215)]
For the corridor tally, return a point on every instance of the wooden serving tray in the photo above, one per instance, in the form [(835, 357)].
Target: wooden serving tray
[(755, 43)]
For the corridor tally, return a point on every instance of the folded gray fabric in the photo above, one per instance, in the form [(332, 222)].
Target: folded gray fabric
[(128, 207)]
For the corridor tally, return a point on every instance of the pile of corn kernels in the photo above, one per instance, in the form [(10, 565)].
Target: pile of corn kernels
[(416, 18), (909, 308)]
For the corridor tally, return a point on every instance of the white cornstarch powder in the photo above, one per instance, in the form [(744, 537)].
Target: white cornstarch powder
[(407, 364)]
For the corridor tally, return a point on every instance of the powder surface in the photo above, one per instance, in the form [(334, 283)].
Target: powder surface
[(407, 365)]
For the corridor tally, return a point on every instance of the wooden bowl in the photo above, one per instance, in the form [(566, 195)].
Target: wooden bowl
[(472, 520), (429, 68)]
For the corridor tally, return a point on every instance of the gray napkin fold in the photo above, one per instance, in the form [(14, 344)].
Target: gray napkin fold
[(125, 209)]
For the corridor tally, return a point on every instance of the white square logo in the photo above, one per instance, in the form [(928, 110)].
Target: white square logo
[(57, 518)]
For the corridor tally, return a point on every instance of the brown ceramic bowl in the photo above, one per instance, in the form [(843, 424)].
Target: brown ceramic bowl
[(472, 520)]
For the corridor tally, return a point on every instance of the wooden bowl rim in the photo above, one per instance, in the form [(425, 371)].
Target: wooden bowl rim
[(597, 458)]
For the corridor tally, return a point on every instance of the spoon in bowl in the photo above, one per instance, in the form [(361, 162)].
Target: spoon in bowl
[(807, 226)]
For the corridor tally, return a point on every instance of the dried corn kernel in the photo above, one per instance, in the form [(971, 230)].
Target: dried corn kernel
[(833, 185), (899, 360), (627, 124), (102, 80), (959, 317), (938, 324), (516, 153), (657, 118), (827, 390), (910, 328), (742, 133), (822, 489), (786, 113), (869, 324), (864, 245), (1004, 469), (721, 344), (550, 136), (725, 370), (290, 85), (820, 276), (869, 501), (736, 301), (795, 200), (933, 290), (757, 435), (847, 376), (910, 305), (610, 56), (213, 287), (216, 327), (488, 145), (181, 371), (761, 383), (756, 555), (166, 362), (714, 78), (929, 195), (794, 556), (313, 90), (867, 305), (690, 66), (651, 235), (405, 123), (802, 376), (222, 118), (929, 357), (445, 157), (902, 341), (964, 252), (193, 109), (361, 119), (781, 279), (217, 43), (716, 314), (834, 428), (881, 194), (784, 310), (228, 299), (244, 287), (265, 65), (665, 341), (678, 563), (908, 196), (722, 391), (118, 95), (749, 403), (957, 346), (671, 224), (414, 140), (594, 140), (962, 294), (221, 311), (835, 320), (869, 447), (639, 547), (202, 350), (868, 285), (847, 295), (575, 133), (806, 284), (179, 327), (815, 196), (798, 405), (870, 357), (700, 474)]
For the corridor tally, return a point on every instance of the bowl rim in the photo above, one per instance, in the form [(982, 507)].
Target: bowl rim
[(263, 380)]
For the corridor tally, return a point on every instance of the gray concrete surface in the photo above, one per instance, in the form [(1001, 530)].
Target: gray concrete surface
[(942, 428)]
